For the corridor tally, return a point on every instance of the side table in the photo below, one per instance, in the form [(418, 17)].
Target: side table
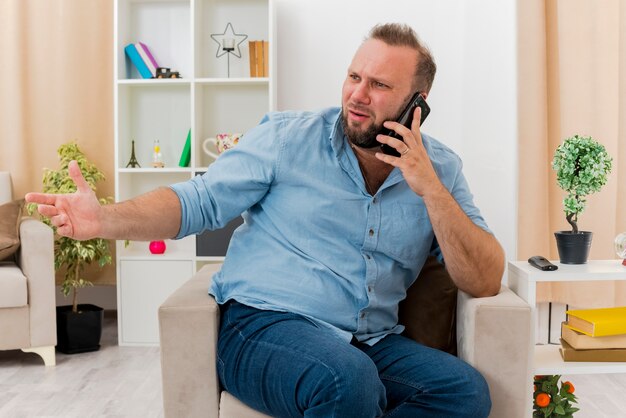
[(523, 279)]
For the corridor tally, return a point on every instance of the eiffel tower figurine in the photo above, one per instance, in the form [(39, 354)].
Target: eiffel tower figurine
[(133, 163)]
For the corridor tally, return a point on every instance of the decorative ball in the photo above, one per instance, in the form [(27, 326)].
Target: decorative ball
[(157, 247)]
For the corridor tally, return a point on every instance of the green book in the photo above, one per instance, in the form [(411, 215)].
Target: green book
[(185, 157)]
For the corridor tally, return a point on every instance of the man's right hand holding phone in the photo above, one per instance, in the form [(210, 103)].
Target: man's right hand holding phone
[(413, 161)]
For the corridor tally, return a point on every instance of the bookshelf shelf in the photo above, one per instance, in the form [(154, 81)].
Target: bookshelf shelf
[(523, 279), (241, 80), (204, 100), (154, 82), (548, 360), (150, 257), (165, 170)]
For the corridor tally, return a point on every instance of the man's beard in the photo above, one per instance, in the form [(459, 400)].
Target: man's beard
[(363, 139), (367, 138)]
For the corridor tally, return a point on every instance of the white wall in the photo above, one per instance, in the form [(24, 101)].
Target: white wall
[(473, 99)]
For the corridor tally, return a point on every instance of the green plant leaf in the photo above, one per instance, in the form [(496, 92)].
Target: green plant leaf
[(71, 256), (582, 165), (547, 386)]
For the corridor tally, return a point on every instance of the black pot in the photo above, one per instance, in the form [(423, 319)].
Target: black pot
[(79, 332), (573, 247)]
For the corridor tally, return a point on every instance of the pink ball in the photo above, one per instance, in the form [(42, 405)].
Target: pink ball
[(157, 247)]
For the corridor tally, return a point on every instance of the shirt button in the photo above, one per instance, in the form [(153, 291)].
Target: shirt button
[(362, 315), (368, 256), (371, 232), (369, 289), (375, 200)]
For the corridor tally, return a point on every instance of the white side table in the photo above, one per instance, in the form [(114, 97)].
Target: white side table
[(523, 279)]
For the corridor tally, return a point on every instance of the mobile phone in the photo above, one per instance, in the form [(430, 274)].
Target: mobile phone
[(406, 119)]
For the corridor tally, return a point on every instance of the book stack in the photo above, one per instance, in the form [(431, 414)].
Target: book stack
[(594, 335), (141, 57), (259, 61)]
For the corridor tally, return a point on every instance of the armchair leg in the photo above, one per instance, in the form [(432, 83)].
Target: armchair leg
[(46, 353)]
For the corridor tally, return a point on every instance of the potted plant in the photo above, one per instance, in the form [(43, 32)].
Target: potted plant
[(582, 167), (552, 400), (79, 326)]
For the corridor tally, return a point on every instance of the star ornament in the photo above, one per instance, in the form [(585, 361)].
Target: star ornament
[(229, 33)]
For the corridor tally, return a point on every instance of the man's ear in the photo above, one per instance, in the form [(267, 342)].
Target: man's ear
[(424, 94)]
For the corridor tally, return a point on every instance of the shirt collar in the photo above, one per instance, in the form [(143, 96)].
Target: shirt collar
[(337, 137), (348, 160)]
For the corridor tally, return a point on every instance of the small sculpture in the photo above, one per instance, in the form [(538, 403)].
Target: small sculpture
[(157, 157), (133, 163), (164, 72), (228, 44)]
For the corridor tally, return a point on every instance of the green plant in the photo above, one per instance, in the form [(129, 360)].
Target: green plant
[(582, 167), (71, 254), (552, 400)]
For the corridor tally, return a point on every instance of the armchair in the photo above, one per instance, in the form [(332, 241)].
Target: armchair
[(492, 334), (27, 302)]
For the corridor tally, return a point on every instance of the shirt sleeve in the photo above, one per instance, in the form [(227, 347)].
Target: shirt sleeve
[(459, 189), (237, 180)]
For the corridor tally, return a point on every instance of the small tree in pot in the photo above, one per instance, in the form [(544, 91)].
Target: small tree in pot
[(73, 255), (582, 167)]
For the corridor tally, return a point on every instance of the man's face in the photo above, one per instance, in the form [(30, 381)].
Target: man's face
[(377, 87)]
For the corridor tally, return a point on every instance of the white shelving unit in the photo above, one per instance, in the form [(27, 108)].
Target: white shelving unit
[(205, 99), (523, 279)]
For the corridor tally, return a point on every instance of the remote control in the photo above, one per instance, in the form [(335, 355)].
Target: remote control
[(541, 263)]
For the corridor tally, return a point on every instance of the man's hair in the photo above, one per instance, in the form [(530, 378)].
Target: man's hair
[(397, 34)]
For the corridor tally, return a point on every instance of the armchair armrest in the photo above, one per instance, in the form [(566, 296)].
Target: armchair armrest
[(493, 335), (36, 259), (188, 327)]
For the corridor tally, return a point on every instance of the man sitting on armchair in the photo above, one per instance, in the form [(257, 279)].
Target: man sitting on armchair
[(335, 232)]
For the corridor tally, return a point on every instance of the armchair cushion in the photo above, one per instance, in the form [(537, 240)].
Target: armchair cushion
[(10, 215), (13, 285), (429, 310)]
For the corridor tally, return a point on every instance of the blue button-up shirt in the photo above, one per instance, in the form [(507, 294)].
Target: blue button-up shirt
[(314, 241)]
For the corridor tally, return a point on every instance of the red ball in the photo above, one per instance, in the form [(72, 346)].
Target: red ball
[(157, 247)]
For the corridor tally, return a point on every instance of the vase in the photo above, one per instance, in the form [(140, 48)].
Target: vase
[(79, 332), (573, 247)]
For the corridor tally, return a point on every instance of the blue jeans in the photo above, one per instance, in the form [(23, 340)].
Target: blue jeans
[(285, 365)]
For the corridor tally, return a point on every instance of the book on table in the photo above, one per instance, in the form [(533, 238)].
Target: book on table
[(258, 45), (259, 58), (580, 341), (598, 322), (253, 68), (266, 61), (569, 353), (146, 56), (135, 58)]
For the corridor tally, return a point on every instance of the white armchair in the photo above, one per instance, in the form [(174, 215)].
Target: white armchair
[(492, 334), (27, 302)]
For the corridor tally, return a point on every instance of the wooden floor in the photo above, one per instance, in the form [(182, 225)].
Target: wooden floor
[(599, 395), (126, 382), (112, 382)]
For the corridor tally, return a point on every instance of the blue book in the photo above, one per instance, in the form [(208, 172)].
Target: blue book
[(136, 59)]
